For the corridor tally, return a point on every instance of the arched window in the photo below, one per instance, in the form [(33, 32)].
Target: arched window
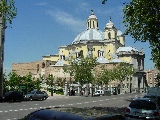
[(98, 53), (37, 68), (81, 54), (109, 35), (43, 65), (93, 25)]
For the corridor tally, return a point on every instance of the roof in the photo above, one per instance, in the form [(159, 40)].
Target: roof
[(119, 33), (59, 63), (116, 60), (102, 59), (109, 24), (89, 35), (126, 49)]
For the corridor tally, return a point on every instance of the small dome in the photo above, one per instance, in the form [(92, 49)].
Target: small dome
[(102, 59), (92, 15), (109, 24), (119, 33), (91, 34), (116, 60)]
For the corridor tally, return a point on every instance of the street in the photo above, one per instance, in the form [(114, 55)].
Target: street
[(17, 110)]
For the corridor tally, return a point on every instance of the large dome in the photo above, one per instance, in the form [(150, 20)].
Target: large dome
[(89, 35)]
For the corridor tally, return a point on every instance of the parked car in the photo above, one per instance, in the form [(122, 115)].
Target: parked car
[(98, 93), (13, 96), (36, 95), (156, 98), (142, 108)]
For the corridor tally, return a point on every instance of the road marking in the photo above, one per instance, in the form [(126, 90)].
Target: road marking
[(78, 103), (100, 100), (36, 104), (50, 106), (86, 102), (5, 111), (1, 111), (20, 109), (30, 108), (15, 110), (121, 97), (53, 106), (114, 98), (15, 118), (94, 101), (10, 110), (107, 99), (41, 107)]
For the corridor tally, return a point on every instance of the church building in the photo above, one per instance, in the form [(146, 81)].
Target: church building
[(107, 45)]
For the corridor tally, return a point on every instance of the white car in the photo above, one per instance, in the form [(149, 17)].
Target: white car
[(98, 93), (142, 108)]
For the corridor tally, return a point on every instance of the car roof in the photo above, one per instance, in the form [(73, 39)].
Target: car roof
[(146, 99)]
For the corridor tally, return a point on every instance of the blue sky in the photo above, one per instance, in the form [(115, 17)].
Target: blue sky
[(41, 26)]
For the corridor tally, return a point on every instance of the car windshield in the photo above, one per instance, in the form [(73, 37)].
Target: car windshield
[(32, 92), (143, 104)]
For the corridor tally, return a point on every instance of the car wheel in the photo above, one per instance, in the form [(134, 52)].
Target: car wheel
[(44, 98), (30, 98)]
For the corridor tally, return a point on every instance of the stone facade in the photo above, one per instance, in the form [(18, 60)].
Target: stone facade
[(108, 47)]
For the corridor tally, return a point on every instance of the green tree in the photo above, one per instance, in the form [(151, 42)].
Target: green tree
[(28, 81), (7, 13), (105, 76), (142, 22), (158, 80), (82, 69), (37, 83), (50, 82), (14, 81), (123, 70), (5, 83)]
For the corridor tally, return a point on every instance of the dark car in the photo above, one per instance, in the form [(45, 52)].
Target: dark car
[(1, 99), (71, 114), (36, 95), (13, 96)]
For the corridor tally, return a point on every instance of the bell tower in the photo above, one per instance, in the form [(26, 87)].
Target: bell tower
[(110, 32), (92, 21)]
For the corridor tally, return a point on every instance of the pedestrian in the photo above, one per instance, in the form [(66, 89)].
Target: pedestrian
[(72, 92)]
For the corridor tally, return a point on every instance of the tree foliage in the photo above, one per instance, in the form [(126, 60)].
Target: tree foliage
[(158, 79), (14, 81), (105, 76), (82, 69), (50, 82), (7, 11), (124, 70), (142, 22)]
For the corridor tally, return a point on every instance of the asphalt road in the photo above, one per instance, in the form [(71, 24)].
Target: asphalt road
[(17, 110)]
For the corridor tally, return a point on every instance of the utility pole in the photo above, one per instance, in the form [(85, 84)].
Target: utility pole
[(2, 34)]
